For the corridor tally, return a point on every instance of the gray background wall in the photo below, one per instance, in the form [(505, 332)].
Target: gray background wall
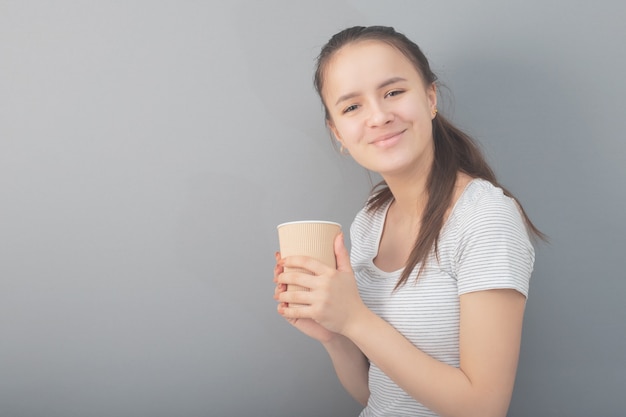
[(149, 148)]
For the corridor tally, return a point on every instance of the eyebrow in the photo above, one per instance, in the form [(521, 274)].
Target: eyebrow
[(384, 84)]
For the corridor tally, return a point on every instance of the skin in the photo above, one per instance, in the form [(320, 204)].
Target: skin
[(381, 111)]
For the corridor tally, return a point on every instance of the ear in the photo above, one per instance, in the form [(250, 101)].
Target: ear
[(431, 94), (331, 126)]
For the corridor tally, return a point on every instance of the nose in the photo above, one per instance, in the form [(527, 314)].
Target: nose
[(379, 115)]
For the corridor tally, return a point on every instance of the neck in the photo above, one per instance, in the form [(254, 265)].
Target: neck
[(410, 193)]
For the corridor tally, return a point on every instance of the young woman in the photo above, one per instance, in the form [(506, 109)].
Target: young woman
[(424, 318)]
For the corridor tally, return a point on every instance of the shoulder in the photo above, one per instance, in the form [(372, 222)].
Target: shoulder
[(483, 204), (366, 222), (365, 233), (492, 248)]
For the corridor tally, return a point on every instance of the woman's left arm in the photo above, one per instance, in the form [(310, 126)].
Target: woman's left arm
[(489, 342), (490, 335)]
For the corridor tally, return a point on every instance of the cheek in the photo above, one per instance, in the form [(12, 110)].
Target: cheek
[(349, 131), (418, 111)]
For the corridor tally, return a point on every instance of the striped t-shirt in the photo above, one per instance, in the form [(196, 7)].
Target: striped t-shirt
[(483, 245)]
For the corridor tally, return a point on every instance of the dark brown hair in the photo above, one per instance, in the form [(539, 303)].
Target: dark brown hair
[(454, 150)]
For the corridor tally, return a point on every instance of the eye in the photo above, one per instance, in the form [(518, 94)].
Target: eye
[(394, 93), (350, 108)]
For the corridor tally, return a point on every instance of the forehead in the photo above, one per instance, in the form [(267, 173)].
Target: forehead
[(359, 63)]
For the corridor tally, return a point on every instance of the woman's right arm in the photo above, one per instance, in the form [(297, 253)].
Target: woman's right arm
[(351, 366)]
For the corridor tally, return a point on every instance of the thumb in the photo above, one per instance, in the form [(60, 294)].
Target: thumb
[(341, 254)]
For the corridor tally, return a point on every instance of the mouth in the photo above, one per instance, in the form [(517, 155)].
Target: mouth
[(387, 139)]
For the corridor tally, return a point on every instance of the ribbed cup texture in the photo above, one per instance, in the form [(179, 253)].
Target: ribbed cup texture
[(314, 239)]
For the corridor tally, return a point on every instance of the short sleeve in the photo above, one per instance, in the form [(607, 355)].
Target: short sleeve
[(494, 250)]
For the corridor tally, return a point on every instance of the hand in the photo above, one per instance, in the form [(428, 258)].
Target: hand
[(306, 325), (333, 300)]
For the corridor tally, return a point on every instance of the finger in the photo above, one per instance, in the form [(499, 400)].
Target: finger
[(304, 262), (277, 272), (342, 255), (278, 269), (300, 312), (291, 297), (280, 307), (280, 288), (301, 279)]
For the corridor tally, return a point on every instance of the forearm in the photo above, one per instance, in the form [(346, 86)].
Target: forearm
[(445, 389), (351, 367)]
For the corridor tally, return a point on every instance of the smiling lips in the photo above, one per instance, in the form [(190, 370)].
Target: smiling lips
[(388, 139)]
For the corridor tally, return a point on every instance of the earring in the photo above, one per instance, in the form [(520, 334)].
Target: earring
[(343, 150), (435, 112)]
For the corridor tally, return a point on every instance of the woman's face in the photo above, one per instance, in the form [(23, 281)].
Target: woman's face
[(379, 108)]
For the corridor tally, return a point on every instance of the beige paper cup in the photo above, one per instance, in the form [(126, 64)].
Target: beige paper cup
[(309, 238)]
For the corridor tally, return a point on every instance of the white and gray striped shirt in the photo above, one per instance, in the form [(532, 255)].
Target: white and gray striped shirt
[(483, 245)]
